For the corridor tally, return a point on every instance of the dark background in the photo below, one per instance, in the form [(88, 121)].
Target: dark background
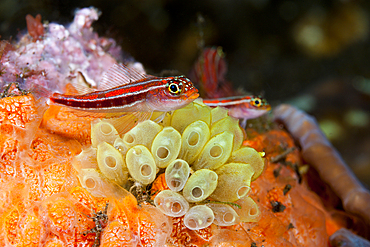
[(314, 54)]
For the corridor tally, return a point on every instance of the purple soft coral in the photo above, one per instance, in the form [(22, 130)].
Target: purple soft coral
[(62, 55)]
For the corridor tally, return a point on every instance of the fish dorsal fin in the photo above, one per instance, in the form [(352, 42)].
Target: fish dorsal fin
[(77, 89), (79, 86), (119, 75)]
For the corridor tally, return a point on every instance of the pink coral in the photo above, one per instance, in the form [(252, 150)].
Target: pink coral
[(62, 54)]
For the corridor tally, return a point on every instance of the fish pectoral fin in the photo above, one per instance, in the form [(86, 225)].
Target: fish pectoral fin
[(86, 114), (158, 116), (128, 120)]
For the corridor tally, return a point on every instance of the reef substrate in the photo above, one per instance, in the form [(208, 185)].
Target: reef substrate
[(43, 202)]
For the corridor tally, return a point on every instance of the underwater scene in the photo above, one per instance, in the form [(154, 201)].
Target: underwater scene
[(184, 123)]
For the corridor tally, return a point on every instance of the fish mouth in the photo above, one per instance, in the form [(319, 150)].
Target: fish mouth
[(194, 96)]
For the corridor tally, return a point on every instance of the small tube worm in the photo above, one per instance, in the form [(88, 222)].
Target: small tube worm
[(193, 139), (225, 215), (143, 133), (166, 146), (171, 203), (140, 164), (199, 217), (200, 185), (319, 153), (176, 175), (216, 152), (103, 131)]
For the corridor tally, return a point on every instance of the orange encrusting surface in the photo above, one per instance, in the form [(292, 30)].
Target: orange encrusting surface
[(67, 122), (42, 203), (302, 221), (64, 122), (18, 110), (11, 221)]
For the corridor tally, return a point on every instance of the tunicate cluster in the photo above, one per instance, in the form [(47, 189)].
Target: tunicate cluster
[(199, 150)]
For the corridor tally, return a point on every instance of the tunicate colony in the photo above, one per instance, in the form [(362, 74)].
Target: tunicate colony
[(199, 149)]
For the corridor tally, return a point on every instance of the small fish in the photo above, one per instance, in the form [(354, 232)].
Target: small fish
[(243, 107), (124, 90), (209, 74)]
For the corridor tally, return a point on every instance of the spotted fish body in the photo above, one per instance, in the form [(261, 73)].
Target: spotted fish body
[(132, 92)]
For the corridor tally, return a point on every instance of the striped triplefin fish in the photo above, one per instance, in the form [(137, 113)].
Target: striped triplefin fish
[(124, 91), (209, 72), (209, 75), (242, 107)]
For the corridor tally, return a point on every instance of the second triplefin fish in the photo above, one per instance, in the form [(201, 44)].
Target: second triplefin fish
[(209, 74), (243, 107), (124, 90)]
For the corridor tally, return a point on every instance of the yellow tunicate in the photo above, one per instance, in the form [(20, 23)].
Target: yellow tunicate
[(158, 116), (167, 119), (225, 215), (231, 124), (94, 182), (171, 203), (234, 180), (200, 185), (86, 159), (249, 211), (199, 217), (141, 164), (120, 146), (143, 133), (176, 175), (164, 117), (194, 111), (102, 131), (166, 146), (249, 156), (216, 152), (218, 113), (111, 164), (193, 139)]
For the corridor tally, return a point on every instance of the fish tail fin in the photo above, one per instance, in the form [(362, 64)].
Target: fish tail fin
[(39, 91)]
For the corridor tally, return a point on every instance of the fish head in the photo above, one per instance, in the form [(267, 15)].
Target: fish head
[(253, 108), (177, 92), (259, 103)]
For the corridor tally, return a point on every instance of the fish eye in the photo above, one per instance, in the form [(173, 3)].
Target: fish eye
[(257, 102), (174, 89)]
